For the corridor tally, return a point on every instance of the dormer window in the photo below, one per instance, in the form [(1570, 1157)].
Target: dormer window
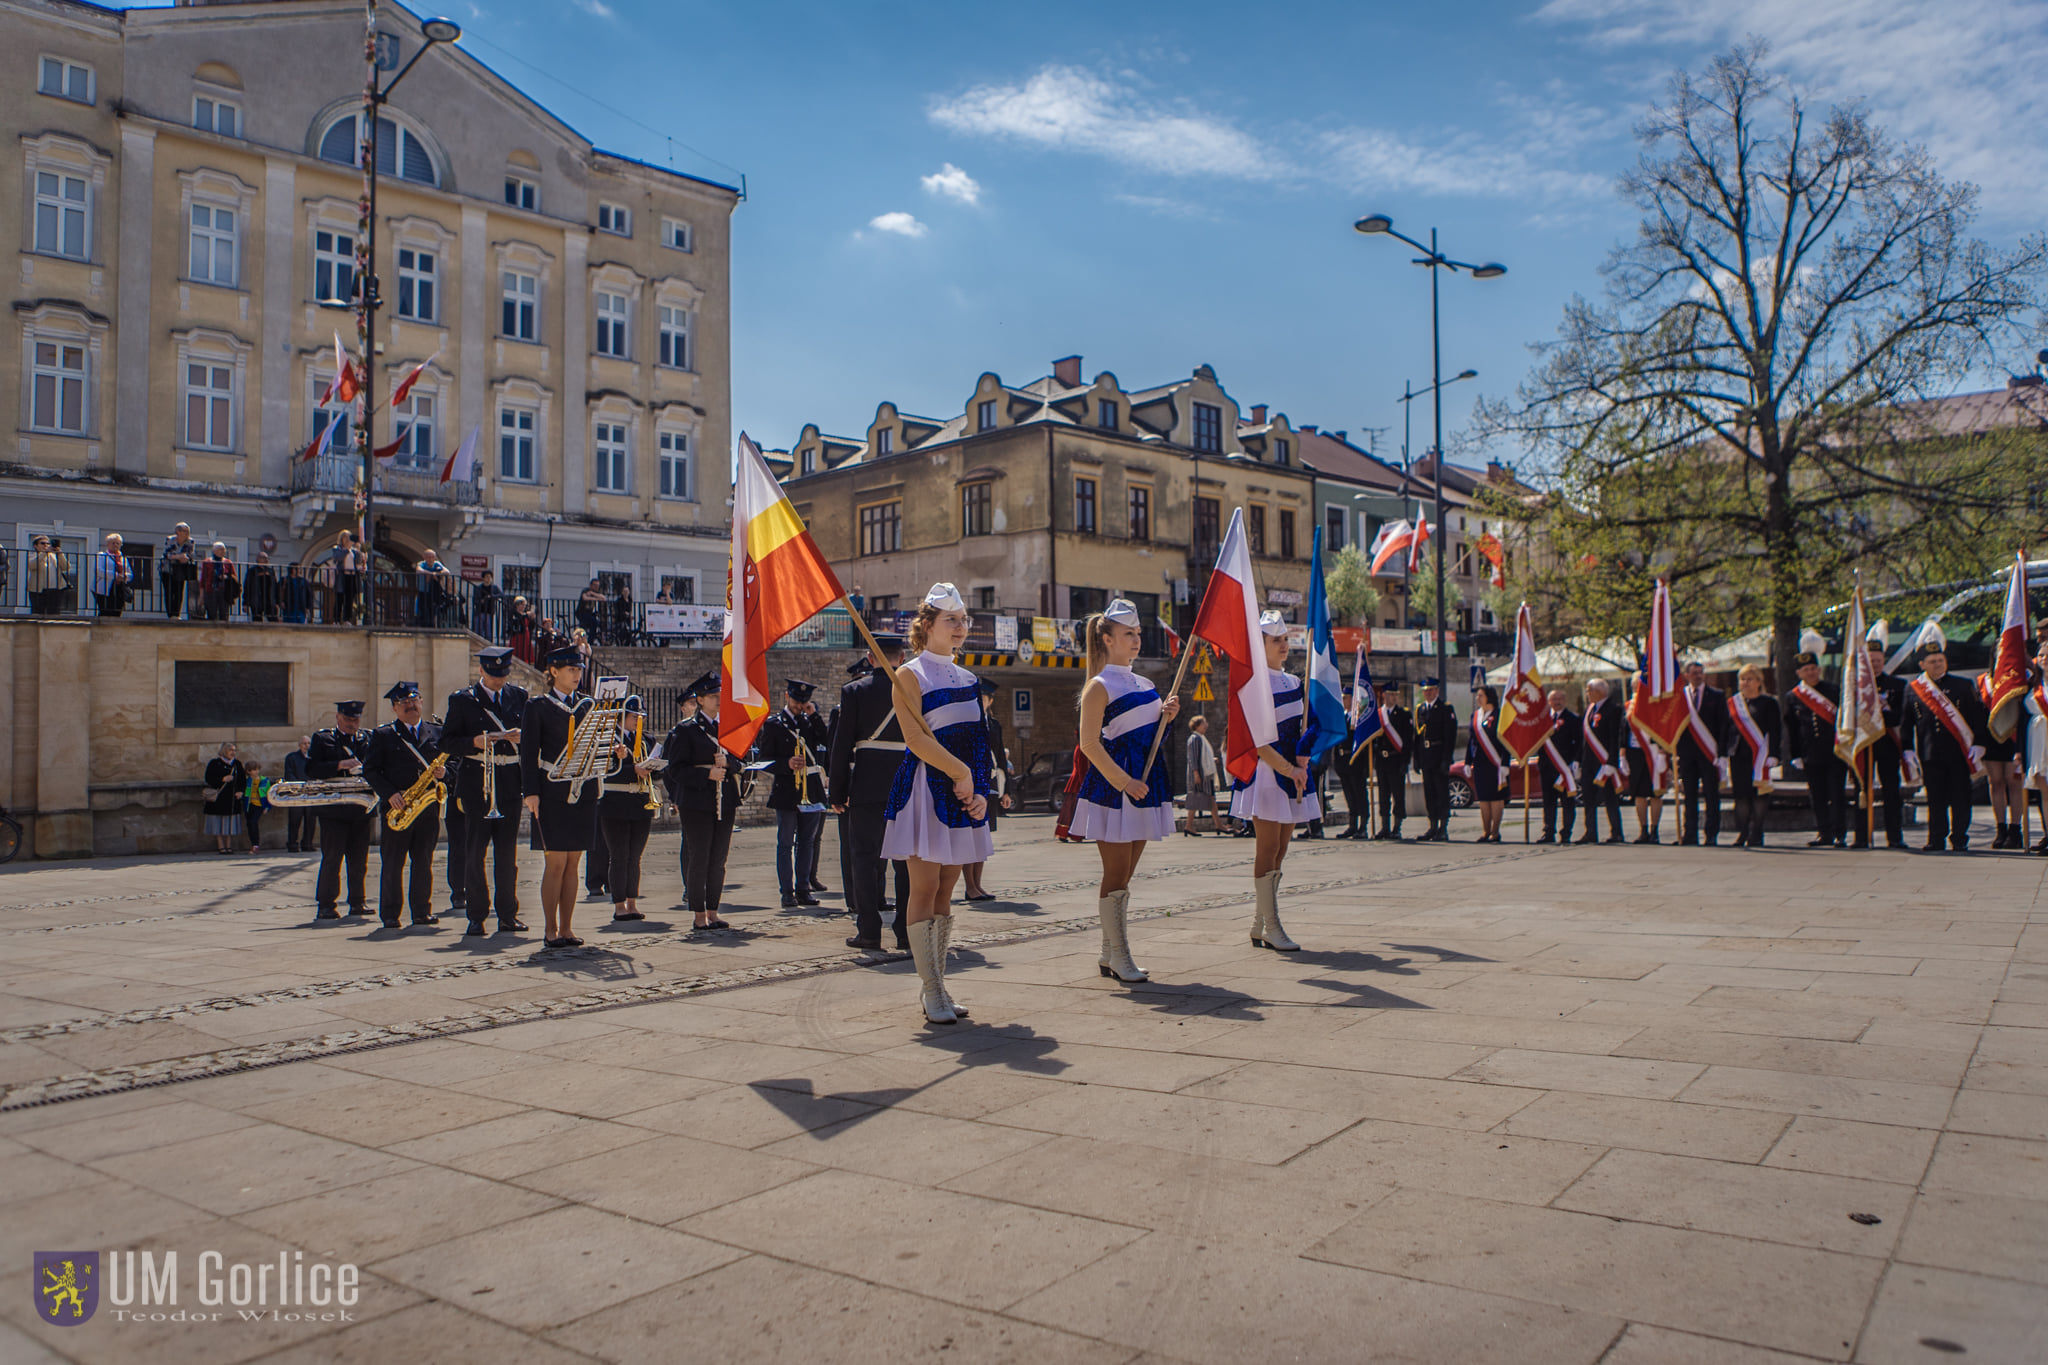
[(210, 115), (1105, 414), (885, 441), (1283, 451), (522, 193), (400, 151)]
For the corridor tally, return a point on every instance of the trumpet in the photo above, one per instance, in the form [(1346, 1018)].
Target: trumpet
[(427, 790)]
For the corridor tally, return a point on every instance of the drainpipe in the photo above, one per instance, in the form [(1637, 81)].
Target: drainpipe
[(1052, 526)]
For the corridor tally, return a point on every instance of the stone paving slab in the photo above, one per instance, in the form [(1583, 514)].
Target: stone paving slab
[(1604, 1105)]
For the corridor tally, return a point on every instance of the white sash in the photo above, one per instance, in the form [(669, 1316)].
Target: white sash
[(1485, 744), (1567, 782), (1753, 735), (1937, 701), (1653, 755), (1606, 771)]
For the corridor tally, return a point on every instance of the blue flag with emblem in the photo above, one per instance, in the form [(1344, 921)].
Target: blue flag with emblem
[(1366, 720), (1326, 726)]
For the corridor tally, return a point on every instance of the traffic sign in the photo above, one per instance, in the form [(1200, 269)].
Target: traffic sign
[(1204, 692)]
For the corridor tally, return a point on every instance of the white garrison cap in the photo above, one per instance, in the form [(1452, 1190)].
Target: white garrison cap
[(1121, 610), (945, 597), (1273, 623)]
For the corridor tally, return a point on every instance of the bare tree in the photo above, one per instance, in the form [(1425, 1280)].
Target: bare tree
[(1742, 411)]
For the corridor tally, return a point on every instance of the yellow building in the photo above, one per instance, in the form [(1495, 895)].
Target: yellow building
[(186, 204)]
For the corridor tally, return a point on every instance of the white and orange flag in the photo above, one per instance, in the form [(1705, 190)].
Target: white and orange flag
[(1525, 722), (2007, 687), (1859, 720), (777, 580)]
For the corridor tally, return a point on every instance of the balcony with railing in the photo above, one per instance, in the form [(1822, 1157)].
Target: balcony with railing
[(337, 474)]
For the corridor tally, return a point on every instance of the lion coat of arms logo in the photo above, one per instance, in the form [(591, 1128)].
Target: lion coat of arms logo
[(67, 1285)]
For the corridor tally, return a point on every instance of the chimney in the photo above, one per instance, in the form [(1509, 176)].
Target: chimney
[(1309, 429), (1258, 414), (1068, 371)]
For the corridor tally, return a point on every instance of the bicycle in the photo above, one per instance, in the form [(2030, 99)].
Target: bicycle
[(10, 836)]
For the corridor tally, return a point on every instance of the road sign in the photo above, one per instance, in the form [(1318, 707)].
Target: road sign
[(1204, 692), (1204, 662)]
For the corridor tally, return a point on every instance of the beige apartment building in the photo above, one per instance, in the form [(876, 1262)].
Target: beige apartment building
[(185, 198)]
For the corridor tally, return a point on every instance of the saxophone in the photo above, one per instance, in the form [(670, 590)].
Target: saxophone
[(333, 791), (427, 790)]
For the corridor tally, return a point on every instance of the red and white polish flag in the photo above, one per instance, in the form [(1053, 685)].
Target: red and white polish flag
[(1229, 620)]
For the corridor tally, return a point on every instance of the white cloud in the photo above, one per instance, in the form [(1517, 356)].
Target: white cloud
[(596, 7), (1067, 108), (950, 182), (902, 224), (1962, 77)]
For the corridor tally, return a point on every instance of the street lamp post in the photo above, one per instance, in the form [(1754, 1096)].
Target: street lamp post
[(1408, 396), (1378, 224), (436, 31)]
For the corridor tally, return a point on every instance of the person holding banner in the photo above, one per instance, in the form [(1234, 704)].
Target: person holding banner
[(1121, 805), (1602, 732), (1810, 710), (1946, 718), (1391, 752), (1277, 798), (1886, 752), (938, 806), (1486, 763), (1699, 756), (1754, 730), (1649, 778), (2004, 776)]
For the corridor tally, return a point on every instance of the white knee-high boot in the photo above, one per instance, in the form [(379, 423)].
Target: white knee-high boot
[(943, 937), (1116, 938), (924, 951), (1266, 930)]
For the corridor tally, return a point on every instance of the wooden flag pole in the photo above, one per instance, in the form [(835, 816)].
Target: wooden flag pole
[(1187, 653), (1869, 795), (875, 649), (1525, 800)]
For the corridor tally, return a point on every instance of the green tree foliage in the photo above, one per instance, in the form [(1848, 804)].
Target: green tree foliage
[(1422, 599), (1347, 582), (1744, 413)]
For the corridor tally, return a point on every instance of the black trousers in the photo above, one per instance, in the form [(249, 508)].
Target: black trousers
[(343, 840), (1436, 795), (1948, 803), (625, 839), (868, 875), (845, 859), (797, 835), (405, 871), (496, 843), (1824, 778), (109, 603), (1700, 780), (174, 596), (1750, 804), (1884, 756), (706, 841), (597, 860), (1393, 784), (1553, 799), (301, 826), (1598, 796), (458, 856), (1356, 783)]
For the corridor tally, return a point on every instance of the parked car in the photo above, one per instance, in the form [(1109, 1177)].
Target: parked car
[(1044, 781), (1522, 782)]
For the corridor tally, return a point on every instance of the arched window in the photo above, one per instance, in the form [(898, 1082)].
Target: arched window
[(400, 152)]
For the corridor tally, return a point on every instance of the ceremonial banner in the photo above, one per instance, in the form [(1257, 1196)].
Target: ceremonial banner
[(1660, 711), (777, 580), (1366, 718), (1525, 721), (2008, 677), (1324, 704), (1229, 619), (1859, 720)]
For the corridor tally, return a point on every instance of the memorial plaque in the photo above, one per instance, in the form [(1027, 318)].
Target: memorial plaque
[(223, 693)]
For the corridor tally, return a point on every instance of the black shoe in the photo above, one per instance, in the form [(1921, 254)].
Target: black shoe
[(866, 945), (329, 913), (1959, 846), (788, 902), (1860, 841), (1713, 841), (476, 930), (1546, 838), (1841, 841), (1820, 841), (806, 898), (1931, 848), (1191, 834), (515, 927), (1689, 841), (1589, 837), (1741, 841), (902, 945), (1901, 843), (389, 924), (1617, 838), (429, 918), (816, 887)]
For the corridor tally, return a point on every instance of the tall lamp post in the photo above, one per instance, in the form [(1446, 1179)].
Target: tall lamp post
[(1409, 393), (436, 32), (1379, 224)]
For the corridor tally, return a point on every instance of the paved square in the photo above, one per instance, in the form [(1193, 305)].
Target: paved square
[(1518, 1104)]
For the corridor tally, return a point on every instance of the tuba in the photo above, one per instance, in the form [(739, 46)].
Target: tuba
[(427, 790)]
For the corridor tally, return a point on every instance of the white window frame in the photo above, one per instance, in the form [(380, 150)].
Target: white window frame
[(674, 347), (985, 415), (614, 332), (65, 67), (529, 433), (219, 399), (807, 460), (401, 129), (207, 106), (414, 276), (528, 298), (885, 441), (62, 206), (318, 382), (528, 188), (614, 219), (611, 456), (217, 240), (59, 375), (337, 261), (418, 455), (677, 235), (673, 446)]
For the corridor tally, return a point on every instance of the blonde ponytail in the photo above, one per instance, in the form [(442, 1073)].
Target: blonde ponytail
[(1095, 634)]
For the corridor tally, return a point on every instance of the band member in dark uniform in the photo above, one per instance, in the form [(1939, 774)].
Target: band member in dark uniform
[(793, 740), (856, 670), (1755, 734), (1567, 736), (399, 753), (1699, 760), (1393, 753), (1948, 722), (1354, 776), (703, 781), (1810, 736), (866, 752), (562, 829), (626, 804), (1603, 737), (1436, 743), (482, 727), (1885, 753), (344, 829)]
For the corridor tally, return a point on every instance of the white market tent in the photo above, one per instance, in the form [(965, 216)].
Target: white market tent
[(1578, 659)]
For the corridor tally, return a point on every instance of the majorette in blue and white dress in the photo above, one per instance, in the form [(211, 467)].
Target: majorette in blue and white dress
[(925, 820), (1129, 720), (1269, 796)]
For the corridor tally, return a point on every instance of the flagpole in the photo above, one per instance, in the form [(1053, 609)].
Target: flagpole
[(1525, 800), (1187, 652), (875, 648)]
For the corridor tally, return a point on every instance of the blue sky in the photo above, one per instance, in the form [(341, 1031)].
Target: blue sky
[(942, 189)]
